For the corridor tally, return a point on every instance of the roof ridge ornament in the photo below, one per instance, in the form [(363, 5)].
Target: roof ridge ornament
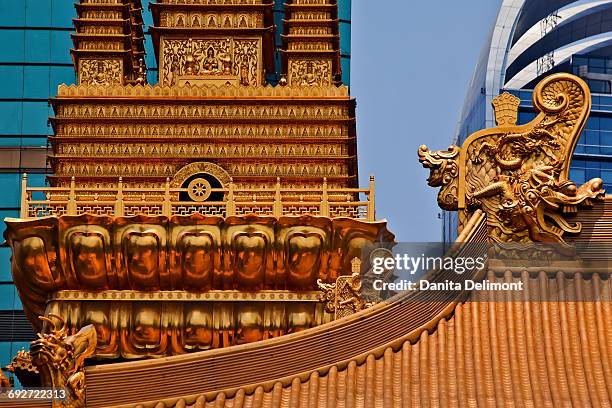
[(518, 175), (506, 109)]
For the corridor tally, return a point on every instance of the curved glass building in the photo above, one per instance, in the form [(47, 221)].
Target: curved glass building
[(534, 38)]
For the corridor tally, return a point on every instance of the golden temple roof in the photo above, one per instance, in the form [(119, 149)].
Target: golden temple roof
[(204, 242)]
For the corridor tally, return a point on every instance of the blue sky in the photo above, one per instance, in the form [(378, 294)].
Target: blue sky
[(410, 67)]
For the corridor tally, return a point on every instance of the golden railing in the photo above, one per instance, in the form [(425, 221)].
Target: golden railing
[(37, 202)]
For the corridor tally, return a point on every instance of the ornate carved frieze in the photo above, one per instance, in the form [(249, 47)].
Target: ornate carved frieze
[(161, 132), (260, 110), (102, 14), (233, 60), (204, 92), (203, 149), (310, 72), (232, 42), (100, 72), (213, 2), (68, 130), (168, 169), (518, 175), (316, 31), (211, 19)]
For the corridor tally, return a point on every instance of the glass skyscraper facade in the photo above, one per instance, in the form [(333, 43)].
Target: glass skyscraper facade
[(531, 39), (35, 39)]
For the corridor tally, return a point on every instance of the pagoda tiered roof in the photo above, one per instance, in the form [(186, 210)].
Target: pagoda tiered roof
[(311, 42), (109, 42)]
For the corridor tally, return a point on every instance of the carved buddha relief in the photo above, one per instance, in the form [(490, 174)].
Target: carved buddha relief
[(100, 72), (310, 73), (213, 60)]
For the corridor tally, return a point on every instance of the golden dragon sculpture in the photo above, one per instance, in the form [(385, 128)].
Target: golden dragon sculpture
[(518, 175), (56, 360)]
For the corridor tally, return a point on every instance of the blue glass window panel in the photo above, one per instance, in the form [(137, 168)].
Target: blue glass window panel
[(36, 82), (146, 14), (152, 76), (37, 180), (38, 13), (346, 70), (13, 13), (7, 296), (35, 116), (9, 182), (150, 58), (6, 141), (34, 142), (592, 137), (60, 75), (606, 142), (12, 46), (5, 265), (598, 86), (593, 123), (278, 20), (592, 173), (606, 175), (344, 9), (605, 124), (62, 13), (20, 345), (577, 175), (6, 354), (37, 46), (525, 117), (578, 61), (60, 47), (592, 142), (17, 300), (10, 118), (345, 38), (11, 82), (4, 214)]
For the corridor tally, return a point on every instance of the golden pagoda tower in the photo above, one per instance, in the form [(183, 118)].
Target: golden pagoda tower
[(208, 211)]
